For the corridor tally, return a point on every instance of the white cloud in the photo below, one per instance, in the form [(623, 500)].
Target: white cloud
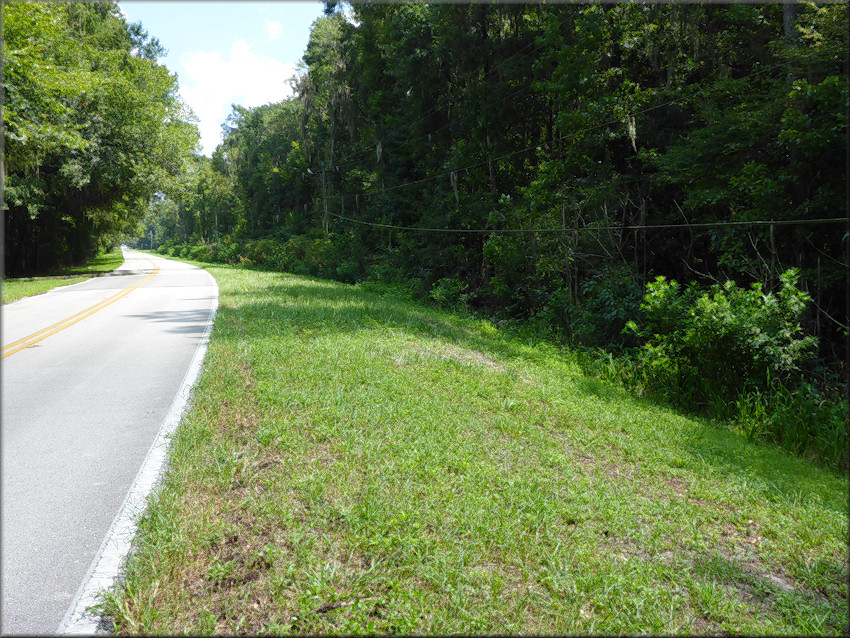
[(273, 29), (213, 82)]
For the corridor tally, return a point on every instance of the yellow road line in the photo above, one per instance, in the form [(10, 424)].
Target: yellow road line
[(30, 340)]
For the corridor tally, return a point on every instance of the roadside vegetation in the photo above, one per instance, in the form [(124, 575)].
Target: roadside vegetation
[(577, 360), (20, 287), (357, 462), (737, 356), (624, 179)]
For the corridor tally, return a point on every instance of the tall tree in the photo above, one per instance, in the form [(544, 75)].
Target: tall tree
[(93, 127)]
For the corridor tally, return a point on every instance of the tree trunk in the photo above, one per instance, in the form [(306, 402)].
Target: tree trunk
[(789, 20), (491, 167)]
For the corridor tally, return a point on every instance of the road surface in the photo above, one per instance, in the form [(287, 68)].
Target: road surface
[(89, 372)]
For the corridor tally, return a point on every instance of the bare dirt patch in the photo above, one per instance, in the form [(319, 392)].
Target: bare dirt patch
[(453, 353)]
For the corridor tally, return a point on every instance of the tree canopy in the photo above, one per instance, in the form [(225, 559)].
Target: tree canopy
[(567, 155), (93, 127)]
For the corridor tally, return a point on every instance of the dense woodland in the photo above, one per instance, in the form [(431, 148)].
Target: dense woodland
[(93, 128), (603, 120), (608, 172)]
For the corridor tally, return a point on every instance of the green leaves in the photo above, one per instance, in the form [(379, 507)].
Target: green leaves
[(93, 128), (611, 123), (724, 339)]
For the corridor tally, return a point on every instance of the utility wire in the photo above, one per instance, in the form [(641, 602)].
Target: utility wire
[(565, 229)]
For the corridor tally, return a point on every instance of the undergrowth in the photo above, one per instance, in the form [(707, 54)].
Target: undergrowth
[(733, 355)]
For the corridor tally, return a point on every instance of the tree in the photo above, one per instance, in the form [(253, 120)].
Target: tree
[(93, 128)]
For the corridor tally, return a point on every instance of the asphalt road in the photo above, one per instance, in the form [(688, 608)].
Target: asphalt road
[(82, 402)]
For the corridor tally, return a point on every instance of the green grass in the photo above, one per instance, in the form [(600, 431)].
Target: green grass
[(18, 288), (358, 463)]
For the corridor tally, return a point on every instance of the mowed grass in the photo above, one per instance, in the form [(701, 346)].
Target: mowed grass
[(357, 463), (18, 288)]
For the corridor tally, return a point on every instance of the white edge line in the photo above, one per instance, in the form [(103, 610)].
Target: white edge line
[(105, 567)]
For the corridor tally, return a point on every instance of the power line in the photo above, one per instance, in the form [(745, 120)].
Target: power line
[(565, 229)]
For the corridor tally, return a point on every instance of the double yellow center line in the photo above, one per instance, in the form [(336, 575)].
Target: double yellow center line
[(35, 337)]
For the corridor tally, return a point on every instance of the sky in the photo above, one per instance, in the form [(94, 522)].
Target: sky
[(227, 52)]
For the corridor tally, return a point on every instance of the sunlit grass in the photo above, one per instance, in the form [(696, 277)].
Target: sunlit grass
[(357, 463), (18, 288)]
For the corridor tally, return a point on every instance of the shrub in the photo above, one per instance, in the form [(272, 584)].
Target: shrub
[(226, 251), (347, 272), (804, 418), (700, 344), (201, 253), (263, 253), (450, 293), (303, 255), (607, 302), (611, 298)]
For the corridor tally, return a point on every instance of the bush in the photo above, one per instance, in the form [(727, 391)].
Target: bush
[(263, 253), (201, 253), (226, 251), (607, 302), (806, 418), (700, 344), (302, 255), (450, 293), (611, 298), (347, 272)]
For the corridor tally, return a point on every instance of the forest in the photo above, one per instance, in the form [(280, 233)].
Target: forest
[(92, 129), (666, 182)]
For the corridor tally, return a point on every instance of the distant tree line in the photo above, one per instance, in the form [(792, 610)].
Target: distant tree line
[(93, 128), (607, 122)]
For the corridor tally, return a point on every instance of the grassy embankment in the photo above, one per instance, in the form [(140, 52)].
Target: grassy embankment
[(359, 463), (18, 288)]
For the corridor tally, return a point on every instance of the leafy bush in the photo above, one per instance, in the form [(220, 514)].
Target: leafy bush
[(611, 299), (347, 272), (608, 300), (263, 253), (450, 293), (699, 344), (806, 418), (201, 253), (303, 255), (226, 251)]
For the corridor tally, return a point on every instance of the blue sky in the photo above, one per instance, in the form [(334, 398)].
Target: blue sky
[(227, 52)]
